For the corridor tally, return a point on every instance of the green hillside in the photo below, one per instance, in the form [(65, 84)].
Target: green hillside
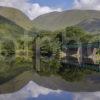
[(9, 28), (16, 16), (91, 25), (60, 20), (55, 20)]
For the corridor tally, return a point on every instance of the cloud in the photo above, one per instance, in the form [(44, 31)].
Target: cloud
[(4, 0), (37, 10), (87, 4), (32, 10)]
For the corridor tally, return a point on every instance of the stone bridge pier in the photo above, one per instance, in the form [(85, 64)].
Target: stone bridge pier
[(87, 52), (82, 50)]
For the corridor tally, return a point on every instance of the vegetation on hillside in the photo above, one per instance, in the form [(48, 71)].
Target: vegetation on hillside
[(17, 17)]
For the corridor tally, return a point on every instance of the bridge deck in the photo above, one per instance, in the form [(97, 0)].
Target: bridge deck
[(84, 45)]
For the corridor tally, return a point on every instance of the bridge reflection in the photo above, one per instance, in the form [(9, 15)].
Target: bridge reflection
[(81, 62)]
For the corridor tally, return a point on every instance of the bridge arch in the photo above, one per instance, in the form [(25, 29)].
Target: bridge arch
[(72, 48)]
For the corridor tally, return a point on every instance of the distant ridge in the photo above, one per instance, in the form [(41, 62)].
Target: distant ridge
[(59, 20), (9, 28), (16, 16), (86, 19), (91, 25)]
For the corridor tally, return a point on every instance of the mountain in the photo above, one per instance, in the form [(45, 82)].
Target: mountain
[(90, 25), (16, 16), (9, 28), (59, 20), (87, 19)]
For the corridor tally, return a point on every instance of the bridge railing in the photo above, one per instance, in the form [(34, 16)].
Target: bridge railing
[(84, 45)]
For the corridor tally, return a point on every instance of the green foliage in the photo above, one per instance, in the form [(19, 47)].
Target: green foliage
[(8, 50), (50, 47), (75, 73), (71, 75), (16, 16), (8, 72), (10, 29), (74, 33), (49, 52)]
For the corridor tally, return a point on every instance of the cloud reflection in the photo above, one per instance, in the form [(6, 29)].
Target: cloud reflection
[(32, 91)]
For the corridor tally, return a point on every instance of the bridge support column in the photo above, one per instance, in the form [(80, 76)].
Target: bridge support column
[(94, 54), (79, 54), (91, 52), (68, 52)]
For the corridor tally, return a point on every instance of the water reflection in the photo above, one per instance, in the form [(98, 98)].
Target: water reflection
[(70, 60), (32, 91), (80, 61), (69, 77)]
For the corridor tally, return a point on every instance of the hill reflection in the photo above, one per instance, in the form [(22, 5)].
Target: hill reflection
[(32, 91)]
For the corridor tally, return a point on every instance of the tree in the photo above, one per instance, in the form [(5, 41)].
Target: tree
[(74, 33), (49, 50), (8, 50)]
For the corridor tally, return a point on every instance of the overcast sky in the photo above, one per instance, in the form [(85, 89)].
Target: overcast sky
[(34, 8)]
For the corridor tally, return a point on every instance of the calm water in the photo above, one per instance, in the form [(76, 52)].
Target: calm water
[(53, 87), (82, 62), (33, 91)]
